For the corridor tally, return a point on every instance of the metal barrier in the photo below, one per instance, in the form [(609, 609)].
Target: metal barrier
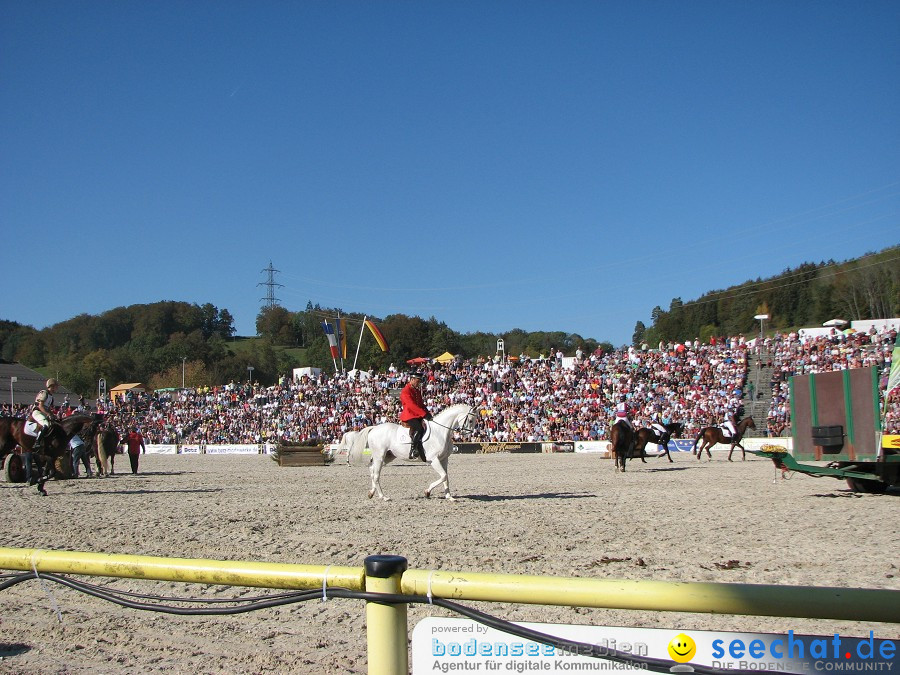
[(387, 631)]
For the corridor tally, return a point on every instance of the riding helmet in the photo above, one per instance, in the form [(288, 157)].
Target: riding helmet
[(51, 383)]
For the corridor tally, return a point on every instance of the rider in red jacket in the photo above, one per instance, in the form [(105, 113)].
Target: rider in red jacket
[(414, 411)]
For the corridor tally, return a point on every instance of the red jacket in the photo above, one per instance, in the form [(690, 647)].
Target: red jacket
[(413, 404), (135, 443)]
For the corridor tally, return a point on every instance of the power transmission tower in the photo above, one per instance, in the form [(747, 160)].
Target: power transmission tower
[(270, 299)]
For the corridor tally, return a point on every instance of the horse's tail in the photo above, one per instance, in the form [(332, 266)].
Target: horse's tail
[(355, 454), (102, 457)]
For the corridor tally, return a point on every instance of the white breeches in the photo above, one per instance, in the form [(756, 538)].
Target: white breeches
[(39, 417)]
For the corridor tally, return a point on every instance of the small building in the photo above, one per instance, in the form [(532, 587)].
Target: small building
[(123, 390)]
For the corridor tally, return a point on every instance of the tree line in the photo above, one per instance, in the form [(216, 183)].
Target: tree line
[(865, 288), (166, 343), (408, 337)]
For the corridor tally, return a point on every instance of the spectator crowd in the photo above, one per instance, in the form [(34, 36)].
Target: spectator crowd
[(789, 355), (517, 399)]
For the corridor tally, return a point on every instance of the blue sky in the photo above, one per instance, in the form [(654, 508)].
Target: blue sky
[(496, 165)]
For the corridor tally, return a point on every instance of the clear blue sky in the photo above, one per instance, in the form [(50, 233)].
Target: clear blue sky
[(496, 165)]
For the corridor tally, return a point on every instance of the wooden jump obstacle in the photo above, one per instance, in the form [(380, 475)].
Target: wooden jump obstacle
[(289, 454)]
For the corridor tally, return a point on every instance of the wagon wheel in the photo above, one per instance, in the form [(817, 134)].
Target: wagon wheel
[(13, 471), (876, 487)]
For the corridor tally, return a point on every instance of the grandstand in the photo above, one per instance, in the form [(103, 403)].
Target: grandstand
[(524, 400)]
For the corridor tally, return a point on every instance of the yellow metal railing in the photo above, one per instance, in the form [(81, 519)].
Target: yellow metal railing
[(387, 623)]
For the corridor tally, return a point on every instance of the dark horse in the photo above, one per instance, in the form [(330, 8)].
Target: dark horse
[(54, 446), (621, 439), (713, 435), (646, 435)]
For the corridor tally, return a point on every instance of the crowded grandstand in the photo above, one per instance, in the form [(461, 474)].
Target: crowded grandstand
[(521, 399)]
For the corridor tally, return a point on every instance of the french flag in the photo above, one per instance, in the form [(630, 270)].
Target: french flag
[(332, 338)]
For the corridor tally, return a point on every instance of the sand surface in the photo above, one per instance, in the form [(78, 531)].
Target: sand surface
[(561, 515)]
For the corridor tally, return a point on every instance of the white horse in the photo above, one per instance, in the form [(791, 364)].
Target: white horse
[(389, 441)]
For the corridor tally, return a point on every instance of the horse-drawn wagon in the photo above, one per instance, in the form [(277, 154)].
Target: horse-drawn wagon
[(835, 418), (97, 436)]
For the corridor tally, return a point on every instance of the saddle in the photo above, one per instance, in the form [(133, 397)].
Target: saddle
[(402, 437)]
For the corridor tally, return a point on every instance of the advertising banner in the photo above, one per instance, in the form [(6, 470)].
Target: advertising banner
[(592, 446), (441, 645), (487, 448), (233, 449), (159, 449), (891, 441), (191, 450)]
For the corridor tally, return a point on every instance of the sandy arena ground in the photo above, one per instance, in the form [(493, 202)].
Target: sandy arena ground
[(561, 515)]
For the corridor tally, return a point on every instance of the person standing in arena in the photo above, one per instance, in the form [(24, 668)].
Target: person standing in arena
[(79, 456), (135, 443), (414, 411)]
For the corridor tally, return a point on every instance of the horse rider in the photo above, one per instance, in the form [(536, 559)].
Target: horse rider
[(732, 419), (414, 411), (661, 432), (42, 410), (623, 413)]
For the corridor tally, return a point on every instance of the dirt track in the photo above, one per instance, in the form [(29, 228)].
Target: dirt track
[(562, 515)]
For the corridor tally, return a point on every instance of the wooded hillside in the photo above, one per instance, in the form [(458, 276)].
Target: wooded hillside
[(165, 343)]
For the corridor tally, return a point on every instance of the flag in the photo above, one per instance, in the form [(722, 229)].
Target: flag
[(379, 338), (342, 337), (332, 340)]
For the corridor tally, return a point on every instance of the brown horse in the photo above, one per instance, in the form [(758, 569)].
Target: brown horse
[(105, 444), (621, 439), (713, 435), (55, 445), (647, 435)]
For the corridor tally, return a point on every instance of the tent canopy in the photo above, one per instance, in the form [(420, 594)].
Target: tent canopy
[(834, 323), (446, 357), (417, 360)]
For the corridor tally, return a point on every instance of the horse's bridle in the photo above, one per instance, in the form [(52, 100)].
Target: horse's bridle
[(463, 426)]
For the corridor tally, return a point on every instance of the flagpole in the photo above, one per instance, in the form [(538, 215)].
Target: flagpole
[(359, 342), (341, 338)]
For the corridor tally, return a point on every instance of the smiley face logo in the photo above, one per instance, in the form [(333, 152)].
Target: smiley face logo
[(682, 648)]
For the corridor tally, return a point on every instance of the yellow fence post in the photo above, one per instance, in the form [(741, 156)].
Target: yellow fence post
[(386, 627)]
